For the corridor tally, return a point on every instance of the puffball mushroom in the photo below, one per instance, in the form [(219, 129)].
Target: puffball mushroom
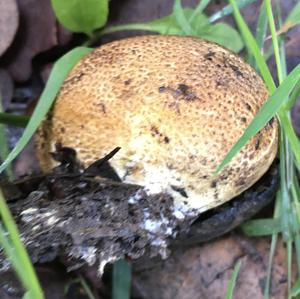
[(175, 105)]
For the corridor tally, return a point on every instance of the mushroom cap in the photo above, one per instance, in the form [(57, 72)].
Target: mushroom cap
[(175, 105)]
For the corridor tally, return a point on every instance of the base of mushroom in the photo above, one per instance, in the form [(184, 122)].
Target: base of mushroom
[(218, 221)]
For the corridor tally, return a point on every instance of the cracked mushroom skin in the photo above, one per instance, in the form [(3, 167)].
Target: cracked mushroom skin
[(175, 106)]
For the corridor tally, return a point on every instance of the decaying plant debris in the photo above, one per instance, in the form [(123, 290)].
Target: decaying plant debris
[(89, 219)]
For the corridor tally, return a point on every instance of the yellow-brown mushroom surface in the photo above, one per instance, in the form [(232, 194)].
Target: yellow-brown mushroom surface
[(175, 106)]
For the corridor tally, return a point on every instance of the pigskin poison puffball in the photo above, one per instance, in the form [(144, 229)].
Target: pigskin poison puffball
[(175, 106)]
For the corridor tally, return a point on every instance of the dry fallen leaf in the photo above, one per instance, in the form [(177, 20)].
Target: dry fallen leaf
[(203, 272), (9, 21), (38, 32)]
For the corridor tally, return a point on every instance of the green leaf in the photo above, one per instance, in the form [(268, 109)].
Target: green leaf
[(267, 111), (59, 72), (14, 120), (228, 9), (198, 10), (28, 295), (220, 33), (233, 279), (181, 18), (199, 22), (165, 25), (121, 280), (253, 47), (294, 15), (296, 288), (81, 16), (261, 227), (224, 35)]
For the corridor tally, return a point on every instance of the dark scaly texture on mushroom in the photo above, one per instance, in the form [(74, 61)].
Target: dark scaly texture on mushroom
[(175, 106)]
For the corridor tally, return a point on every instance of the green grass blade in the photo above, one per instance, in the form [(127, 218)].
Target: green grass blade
[(4, 144), (17, 264), (272, 250), (274, 39), (3, 140), (289, 266), (288, 143), (86, 288), (295, 189), (31, 281), (261, 227), (297, 247), (227, 10), (270, 264), (292, 20), (293, 98), (261, 31), (11, 255), (281, 41), (60, 70), (294, 16), (291, 135), (14, 120), (296, 195), (233, 279), (261, 28), (198, 10), (267, 111), (188, 18), (181, 18), (253, 48), (164, 25), (121, 280), (296, 288), (284, 190)]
